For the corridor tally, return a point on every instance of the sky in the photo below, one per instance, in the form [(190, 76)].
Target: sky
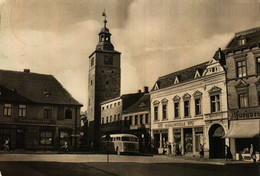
[(155, 37)]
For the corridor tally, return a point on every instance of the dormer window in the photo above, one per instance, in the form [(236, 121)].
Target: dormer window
[(47, 93), (241, 41)]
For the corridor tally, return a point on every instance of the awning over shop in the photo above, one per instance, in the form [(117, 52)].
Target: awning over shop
[(243, 129)]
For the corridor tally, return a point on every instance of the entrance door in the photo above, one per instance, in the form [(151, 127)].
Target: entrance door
[(216, 143), (20, 139)]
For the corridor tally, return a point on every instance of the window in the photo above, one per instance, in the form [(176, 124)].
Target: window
[(215, 103), (115, 118), (146, 118), (114, 104), (142, 119), (108, 60), (103, 120), (258, 64), (107, 120), (187, 108), (118, 103), (7, 109), (197, 106), (107, 106), (111, 106), (46, 137), (164, 107), (110, 119), (118, 117), (91, 82), (92, 61), (243, 100), (47, 112), (241, 68), (65, 137), (136, 120), (107, 82), (155, 113), (131, 120), (103, 108), (22, 111), (176, 110), (68, 113)]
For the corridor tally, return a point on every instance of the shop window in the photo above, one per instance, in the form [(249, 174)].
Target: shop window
[(164, 108), (241, 68), (7, 109), (155, 113), (258, 65), (68, 113), (5, 134), (22, 110), (187, 108), (142, 119), (46, 138), (146, 118), (198, 140), (215, 103), (47, 112), (176, 110), (65, 137), (197, 106), (243, 100)]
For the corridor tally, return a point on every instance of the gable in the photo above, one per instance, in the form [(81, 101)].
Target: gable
[(164, 100), (186, 96), (214, 89), (197, 93), (176, 98), (241, 84)]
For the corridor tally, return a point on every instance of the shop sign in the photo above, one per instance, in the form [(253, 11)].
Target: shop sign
[(253, 113), (182, 124), (36, 121)]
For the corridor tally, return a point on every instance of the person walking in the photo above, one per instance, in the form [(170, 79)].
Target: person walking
[(252, 153), (228, 154), (201, 150)]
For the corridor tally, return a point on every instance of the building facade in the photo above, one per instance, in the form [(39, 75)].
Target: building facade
[(243, 84), (103, 81), (136, 120), (189, 109), (36, 112), (111, 112)]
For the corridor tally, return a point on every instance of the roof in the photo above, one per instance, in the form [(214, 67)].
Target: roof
[(143, 104), (8, 95), (252, 36), (182, 76), (130, 99), (37, 88)]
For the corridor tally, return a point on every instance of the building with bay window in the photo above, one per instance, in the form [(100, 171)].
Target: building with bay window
[(36, 112), (243, 84), (189, 109)]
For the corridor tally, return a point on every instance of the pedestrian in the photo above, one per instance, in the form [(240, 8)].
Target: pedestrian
[(252, 153), (6, 145), (228, 154), (169, 148), (201, 151), (174, 149)]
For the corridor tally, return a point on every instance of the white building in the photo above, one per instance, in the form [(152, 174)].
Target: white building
[(189, 108)]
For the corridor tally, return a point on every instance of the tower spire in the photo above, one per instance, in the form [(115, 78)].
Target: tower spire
[(104, 15)]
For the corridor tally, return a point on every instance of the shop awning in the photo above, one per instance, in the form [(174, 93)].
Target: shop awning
[(243, 129)]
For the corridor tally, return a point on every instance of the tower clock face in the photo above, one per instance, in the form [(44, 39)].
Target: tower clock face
[(108, 60)]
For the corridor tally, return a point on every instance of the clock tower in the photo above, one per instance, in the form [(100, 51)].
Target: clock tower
[(103, 81)]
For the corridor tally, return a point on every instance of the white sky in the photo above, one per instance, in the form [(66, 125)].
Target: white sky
[(155, 37)]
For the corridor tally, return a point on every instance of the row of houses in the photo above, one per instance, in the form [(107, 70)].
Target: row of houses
[(214, 104)]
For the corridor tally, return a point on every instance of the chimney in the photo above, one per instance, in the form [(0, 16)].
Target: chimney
[(139, 91), (26, 70), (146, 89)]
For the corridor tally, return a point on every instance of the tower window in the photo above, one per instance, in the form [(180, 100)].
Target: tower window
[(107, 82), (92, 61), (91, 82), (258, 64)]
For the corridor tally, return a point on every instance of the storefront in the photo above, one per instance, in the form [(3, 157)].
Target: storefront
[(243, 134)]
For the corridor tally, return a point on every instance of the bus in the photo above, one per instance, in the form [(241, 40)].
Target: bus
[(119, 143)]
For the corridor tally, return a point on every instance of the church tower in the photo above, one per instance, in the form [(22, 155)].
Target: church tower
[(103, 82)]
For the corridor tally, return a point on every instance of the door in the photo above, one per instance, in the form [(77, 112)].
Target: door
[(20, 139), (216, 142)]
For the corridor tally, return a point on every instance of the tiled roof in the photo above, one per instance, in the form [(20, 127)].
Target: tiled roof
[(130, 99), (252, 37), (183, 76), (143, 104), (8, 95), (38, 88)]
